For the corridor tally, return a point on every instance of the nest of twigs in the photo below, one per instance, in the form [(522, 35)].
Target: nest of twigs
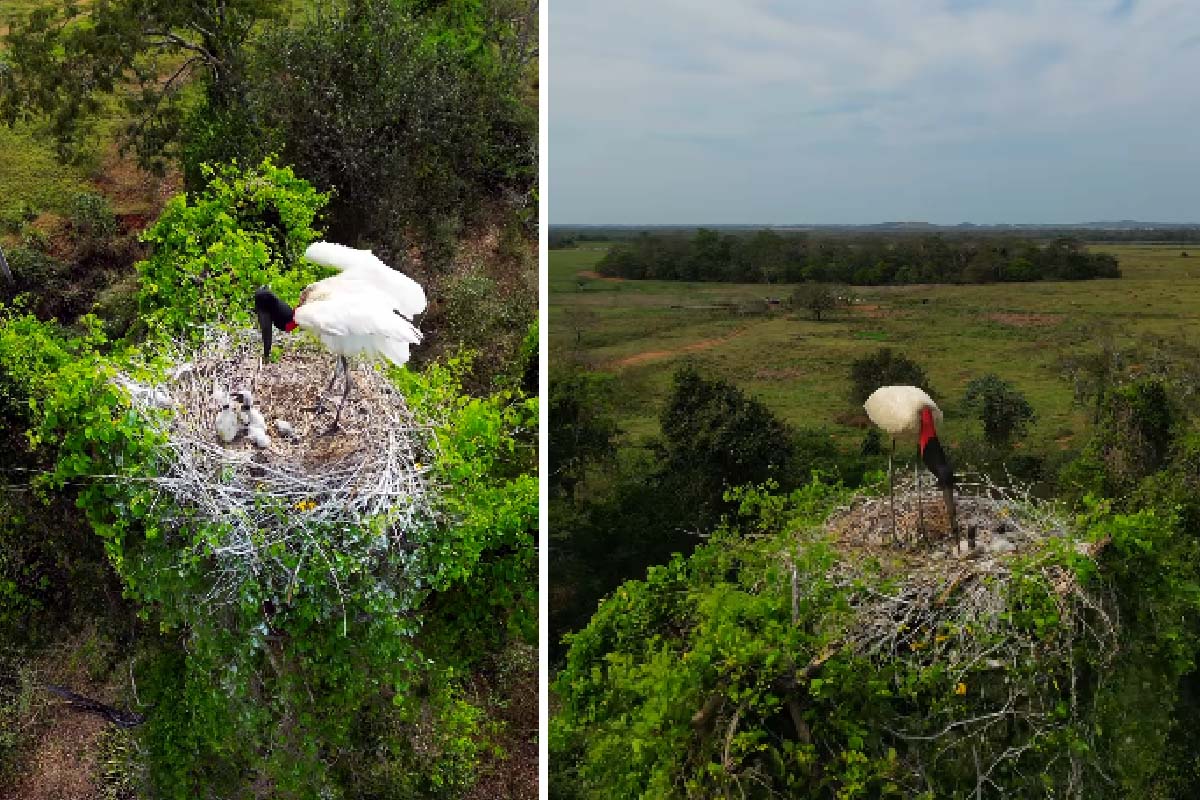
[(929, 597), (992, 520), (375, 466)]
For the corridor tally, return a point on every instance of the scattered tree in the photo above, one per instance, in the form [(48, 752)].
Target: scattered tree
[(817, 298), (884, 367), (1004, 411)]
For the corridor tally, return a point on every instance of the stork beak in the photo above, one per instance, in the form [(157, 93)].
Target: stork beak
[(951, 509), (264, 324)]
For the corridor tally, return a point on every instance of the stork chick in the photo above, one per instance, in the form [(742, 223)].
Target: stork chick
[(259, 436), (228, 426)]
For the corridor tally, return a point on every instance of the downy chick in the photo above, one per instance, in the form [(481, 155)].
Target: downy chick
[(227, 425)]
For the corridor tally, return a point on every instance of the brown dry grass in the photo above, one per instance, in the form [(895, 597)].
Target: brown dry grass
[(1026, 320), (61, 760)]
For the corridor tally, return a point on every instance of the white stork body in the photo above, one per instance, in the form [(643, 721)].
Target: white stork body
[(910, 411), (897, 409), (364, 310)]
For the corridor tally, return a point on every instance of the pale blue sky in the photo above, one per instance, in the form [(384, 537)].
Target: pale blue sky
[(713, 111)]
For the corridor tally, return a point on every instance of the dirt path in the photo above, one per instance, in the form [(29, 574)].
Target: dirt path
[(655, 355)]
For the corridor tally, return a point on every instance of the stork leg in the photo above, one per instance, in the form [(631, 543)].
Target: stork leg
[(892, 488), (345, 393), (920, 510), (320, 407)]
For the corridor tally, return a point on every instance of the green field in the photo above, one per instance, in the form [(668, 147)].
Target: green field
[(799, 367)]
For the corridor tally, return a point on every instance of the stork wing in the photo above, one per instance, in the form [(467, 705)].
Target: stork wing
[(364, 265), (356, 315)]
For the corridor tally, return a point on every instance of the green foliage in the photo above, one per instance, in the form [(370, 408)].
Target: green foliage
[(717, 438), (31, 177), (1003, 411), (436, 134), (477, 314), (50, 564), (582, 431), (92, 217), (864, 259), (884, 367), (483, 561), (66, 62), (714, 677), (1136, 426), (247, 228)]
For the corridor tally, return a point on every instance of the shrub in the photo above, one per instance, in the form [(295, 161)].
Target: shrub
[(427, 143), (91, 217), (817, 298), (211, 251), (884, 367), (1004, 411)]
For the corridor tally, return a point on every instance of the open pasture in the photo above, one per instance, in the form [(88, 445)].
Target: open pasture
[(641, 331)]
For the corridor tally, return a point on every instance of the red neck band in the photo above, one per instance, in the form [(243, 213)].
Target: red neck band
[(927, 430)]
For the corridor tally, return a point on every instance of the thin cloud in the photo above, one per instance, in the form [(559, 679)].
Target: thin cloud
[(876, 110)]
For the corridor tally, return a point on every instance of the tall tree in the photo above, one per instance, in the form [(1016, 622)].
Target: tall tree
[(436, 134), (65, 62)]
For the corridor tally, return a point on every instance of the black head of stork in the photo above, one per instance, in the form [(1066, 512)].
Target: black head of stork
[(935, 459), (272, 312)]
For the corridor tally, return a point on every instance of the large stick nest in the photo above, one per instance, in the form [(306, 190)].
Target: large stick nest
[(942, 601), (375, 467)]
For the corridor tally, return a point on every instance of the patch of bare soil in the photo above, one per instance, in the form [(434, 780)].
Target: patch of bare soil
[(856, 418), (62, 764), (61, 761), (513, 774), (1023, 320), (136, 195), (655, 355), (874, 311)]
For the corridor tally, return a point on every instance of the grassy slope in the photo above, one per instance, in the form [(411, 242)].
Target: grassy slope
[(799, 367), (31, 177)]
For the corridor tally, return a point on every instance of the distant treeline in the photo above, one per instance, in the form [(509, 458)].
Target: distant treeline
[(769, 257), (562, 236)]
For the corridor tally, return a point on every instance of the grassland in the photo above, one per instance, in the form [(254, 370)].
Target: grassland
[(641, 331)]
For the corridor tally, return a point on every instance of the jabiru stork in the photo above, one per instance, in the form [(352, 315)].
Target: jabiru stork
[(366, 309), (908, 410)]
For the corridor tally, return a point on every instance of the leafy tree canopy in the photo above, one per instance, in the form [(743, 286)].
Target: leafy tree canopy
[(884, 367), (65, 61), (1004, 411)]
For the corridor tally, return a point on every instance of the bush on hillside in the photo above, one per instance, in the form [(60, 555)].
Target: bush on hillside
[(438, 133), (884, 367), (1003, 411), (211, 251)]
